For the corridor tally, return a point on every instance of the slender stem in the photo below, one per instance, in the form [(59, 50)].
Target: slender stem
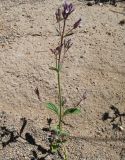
[(58, 75), (65, 154), (56, 61), (60, 28), (60, 101)]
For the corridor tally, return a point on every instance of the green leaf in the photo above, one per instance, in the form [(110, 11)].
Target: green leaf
[(69, 34), (53, 108), (64, 133), (54, 69), (71, 111), (54, 148)]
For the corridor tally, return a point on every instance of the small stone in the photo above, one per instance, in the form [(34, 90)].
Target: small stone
[(122, 22), (101, 4), (121, 128), (94, 27), (108, 33), (91, 3)]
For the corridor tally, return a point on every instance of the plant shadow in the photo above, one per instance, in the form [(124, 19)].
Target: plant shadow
[(116, 119), (13, 136)]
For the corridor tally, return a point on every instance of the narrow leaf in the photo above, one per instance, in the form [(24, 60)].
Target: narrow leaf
[(68, 34), (58, 32), (54, 69), (71, 111), (53, 108)]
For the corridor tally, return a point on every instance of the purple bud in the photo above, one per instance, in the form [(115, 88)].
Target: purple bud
[(67, 10), (71, 8), (77, 23), (58, 15), (57, 50)]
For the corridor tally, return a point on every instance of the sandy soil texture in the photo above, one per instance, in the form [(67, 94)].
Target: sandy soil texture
[(95, 65)]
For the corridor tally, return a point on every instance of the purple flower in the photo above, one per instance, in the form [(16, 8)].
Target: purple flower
[(77, 23), (67, 9)]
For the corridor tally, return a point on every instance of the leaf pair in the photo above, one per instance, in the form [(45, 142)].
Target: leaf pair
[(69, 111)]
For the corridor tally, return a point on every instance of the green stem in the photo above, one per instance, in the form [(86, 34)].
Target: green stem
[(65, 154), (58, 75), (56, 61), (60, 101)]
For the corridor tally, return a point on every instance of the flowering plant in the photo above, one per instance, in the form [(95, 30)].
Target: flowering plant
[(57, 136)]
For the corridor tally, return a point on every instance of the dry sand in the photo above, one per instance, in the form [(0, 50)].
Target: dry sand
[(95, 65)]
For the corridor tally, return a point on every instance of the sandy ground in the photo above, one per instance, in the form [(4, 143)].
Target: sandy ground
[(95, 65)]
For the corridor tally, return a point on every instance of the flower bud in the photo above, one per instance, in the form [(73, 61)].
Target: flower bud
[(58, 15), (77, 23), (67, 10)]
